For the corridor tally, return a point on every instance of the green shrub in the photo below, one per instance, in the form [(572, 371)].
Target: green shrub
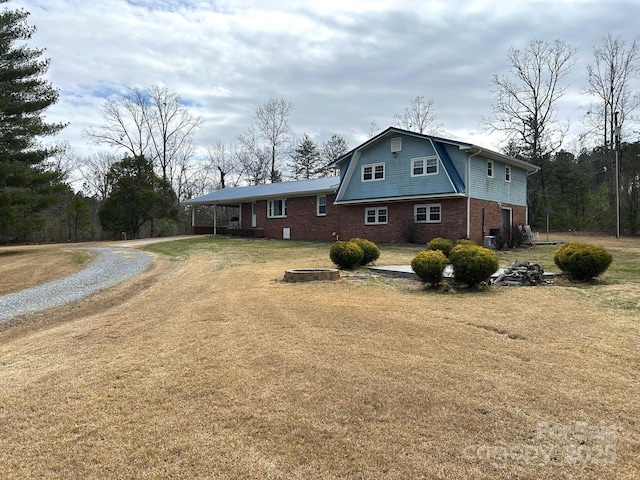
[(465, 241), (429, 266), (582, 261), (472, 264), (346, 255), (441, 244), (370, 249)]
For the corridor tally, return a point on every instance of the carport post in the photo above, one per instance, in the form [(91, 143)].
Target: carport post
[(215, 219)]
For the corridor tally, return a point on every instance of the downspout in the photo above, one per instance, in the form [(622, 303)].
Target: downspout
[(469, 193), (193, 218)]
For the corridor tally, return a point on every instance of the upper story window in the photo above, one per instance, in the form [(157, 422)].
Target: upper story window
[(490, 168), (277, 208), (374, 171), (507, 173), (375, 216), (424, 166), (321, 205)]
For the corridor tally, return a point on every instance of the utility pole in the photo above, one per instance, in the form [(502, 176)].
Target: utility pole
[(616, 133)]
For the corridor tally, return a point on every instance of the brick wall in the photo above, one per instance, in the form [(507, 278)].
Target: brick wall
[(348, 220)]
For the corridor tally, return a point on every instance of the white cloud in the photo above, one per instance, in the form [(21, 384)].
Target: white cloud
[(343, 64)]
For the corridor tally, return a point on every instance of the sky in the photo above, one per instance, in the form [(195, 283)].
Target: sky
[(343, 64)]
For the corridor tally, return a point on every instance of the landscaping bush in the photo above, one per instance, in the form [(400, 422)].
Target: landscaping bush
[(465, 241), (441, 244), (370, 249), (582, 261), (346, 255), (472, 264), (429, 265)]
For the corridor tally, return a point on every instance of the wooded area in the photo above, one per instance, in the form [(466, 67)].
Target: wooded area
[(134, 187)]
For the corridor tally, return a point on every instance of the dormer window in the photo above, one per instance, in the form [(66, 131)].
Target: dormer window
[(373, 172)]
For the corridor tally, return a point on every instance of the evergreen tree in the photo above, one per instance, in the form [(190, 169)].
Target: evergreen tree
[(137, 196), (307, 162), (26, 185)]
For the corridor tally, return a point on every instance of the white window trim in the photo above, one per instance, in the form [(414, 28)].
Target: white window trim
[(425, 163), (318, 205), (376, 222), (373, 172), (490, 166), (270, 208), (428, 208), (507, 173)]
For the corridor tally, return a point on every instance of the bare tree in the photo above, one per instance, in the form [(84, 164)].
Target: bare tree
[(418, 117), (252, 157), (609, 78), (95, 174), (373, 129), (222, 162), (152, 123), (525, 100), (272, 120), (524, 108)]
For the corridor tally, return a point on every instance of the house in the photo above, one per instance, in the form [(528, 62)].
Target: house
[(398, 186)]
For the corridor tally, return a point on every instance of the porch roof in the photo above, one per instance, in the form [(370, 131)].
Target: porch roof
[(236, 195)]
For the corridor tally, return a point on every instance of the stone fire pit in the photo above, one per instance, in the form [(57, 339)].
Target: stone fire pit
[(311, 274)]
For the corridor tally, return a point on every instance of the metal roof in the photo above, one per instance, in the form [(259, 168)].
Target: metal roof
[(251, 193)]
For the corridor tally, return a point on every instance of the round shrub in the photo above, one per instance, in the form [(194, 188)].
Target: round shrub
[(429, 266), (441, 244), (370, 249), (346, 255), (582, 261), (472, 264), (465, 241)]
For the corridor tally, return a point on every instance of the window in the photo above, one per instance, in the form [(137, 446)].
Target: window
[(373, 172), (427, 213), (375, 216), (277, 208), (321, 205), (490, 168), (424, 166), (507, 173)]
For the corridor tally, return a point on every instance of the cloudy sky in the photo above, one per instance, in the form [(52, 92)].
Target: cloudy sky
[(342, 63)]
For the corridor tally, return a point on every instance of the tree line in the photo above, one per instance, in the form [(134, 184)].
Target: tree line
[(151, 163)]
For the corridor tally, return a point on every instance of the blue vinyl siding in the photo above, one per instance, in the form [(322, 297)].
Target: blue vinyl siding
[(496, 189), (398, 181)]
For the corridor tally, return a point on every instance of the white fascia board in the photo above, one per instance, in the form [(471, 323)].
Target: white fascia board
[(347, 176), (401, 199)]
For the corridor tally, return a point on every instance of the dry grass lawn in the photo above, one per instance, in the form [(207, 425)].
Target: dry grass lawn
[(209, 366)]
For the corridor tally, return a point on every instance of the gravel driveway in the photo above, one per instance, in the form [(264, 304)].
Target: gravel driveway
[(113, 265)]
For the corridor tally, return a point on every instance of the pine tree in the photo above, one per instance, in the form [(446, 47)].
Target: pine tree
[(26, 186), (307, 162)]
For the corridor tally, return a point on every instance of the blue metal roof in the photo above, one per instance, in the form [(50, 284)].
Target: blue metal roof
[(251, 193)]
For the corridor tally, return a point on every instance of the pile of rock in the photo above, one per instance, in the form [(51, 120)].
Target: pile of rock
[(520, 274)]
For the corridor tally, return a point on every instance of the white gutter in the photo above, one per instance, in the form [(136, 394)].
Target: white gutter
[(469, 192)]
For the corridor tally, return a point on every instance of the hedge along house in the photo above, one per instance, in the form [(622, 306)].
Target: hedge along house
[(399, 186)]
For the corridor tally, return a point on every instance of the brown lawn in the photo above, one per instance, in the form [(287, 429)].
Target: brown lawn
[(209, 366)]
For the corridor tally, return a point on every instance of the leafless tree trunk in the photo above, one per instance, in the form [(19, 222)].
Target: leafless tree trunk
[(252, 157), (609, 78), (95, 173), (273, 125), (154, 124), (525, 100), (418, 117)]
